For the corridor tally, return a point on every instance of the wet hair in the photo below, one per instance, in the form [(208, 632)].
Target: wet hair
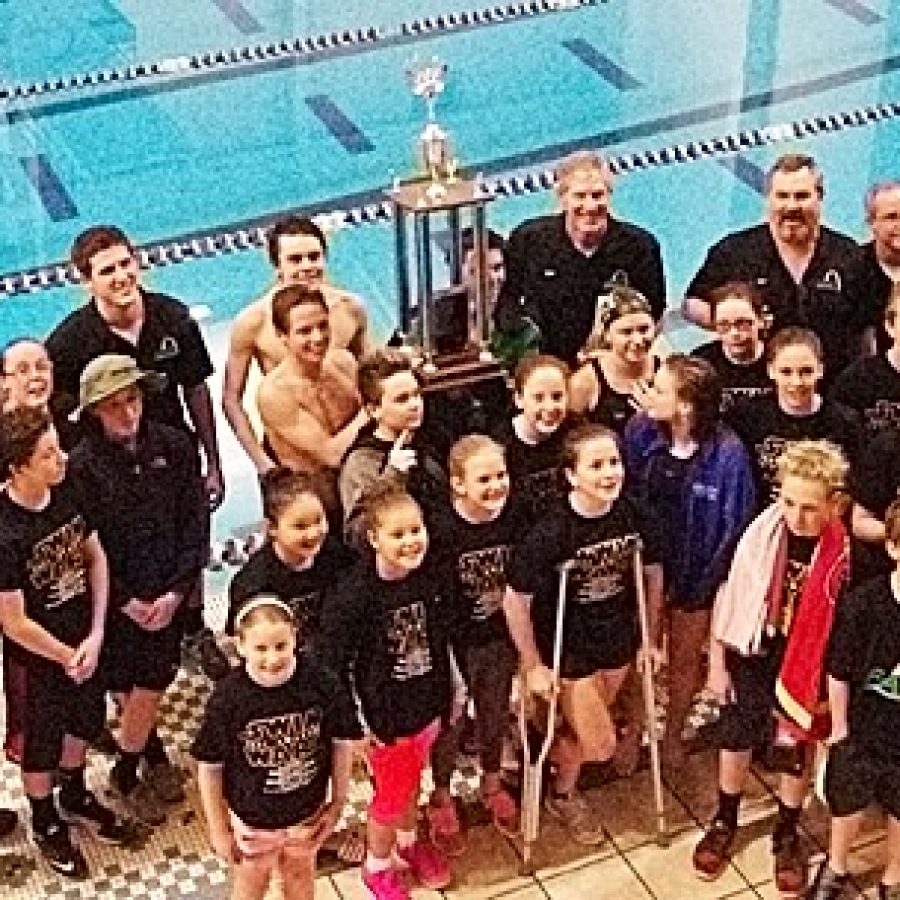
[(794, 337), (579, 436), (697, 383), (94, 240), (531, 363), (796, 162), (465, 448), (892, 523), (379, 499), (375, 368), (820, 461), (294, 225), (288, 298), (261, 609), (737, 290), (20, 431), (620, 301), (280, 487), (580, 161), (873, 193)]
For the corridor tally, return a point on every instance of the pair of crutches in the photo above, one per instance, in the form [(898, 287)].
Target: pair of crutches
[(533, 766)]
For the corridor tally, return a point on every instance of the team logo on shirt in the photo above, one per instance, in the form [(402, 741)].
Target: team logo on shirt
[(885, 414), (732, 395), (288, 746), (168, 348), (601, 570), (56, 565), (305, 609), (767, 455), (482, 574), (408, 641), (885, 684)]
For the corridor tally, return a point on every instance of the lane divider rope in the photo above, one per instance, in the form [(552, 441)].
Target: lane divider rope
[(228, 242), (300, 47)]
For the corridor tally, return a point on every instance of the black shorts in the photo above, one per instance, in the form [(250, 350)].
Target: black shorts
[(856, 776), (55, 706), (133, 657), (748, 722), (601, 648)]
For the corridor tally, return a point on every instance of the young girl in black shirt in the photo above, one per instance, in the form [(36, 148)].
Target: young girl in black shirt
[(534, 437), (594, 531), (274, 752), (477, 532), (299, 560), (388, 624)]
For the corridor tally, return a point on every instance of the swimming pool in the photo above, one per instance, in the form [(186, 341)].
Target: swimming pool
[(190, 150)]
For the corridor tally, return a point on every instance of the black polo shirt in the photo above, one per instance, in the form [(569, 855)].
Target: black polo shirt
[(169, 342), (830, 300), (550, 280), (877, 288)]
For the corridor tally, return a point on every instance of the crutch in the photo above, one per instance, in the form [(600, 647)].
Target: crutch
[(533, 771), (649, 691)]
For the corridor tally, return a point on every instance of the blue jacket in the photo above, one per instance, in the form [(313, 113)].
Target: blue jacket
[(718, 502)]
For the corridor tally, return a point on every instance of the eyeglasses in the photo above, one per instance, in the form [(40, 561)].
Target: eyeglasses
[(736, 325)]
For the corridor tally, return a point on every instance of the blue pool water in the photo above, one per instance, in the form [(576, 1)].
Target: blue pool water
[(186, 154)]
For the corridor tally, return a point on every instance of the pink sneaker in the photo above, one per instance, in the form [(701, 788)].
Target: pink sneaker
[(427, 864), (503, 810), (385, 885), (444, 829)]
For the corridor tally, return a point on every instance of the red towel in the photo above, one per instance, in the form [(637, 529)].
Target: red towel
[(799, 686)]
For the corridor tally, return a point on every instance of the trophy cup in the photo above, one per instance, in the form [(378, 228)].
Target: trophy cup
[(427, 80)]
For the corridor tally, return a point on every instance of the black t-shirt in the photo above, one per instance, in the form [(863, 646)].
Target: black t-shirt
[(535, 470), (864, 651), (875, 485), (479, 554), (600, 589), (877, 288), (871, 387), (738, 380), (555, 284), (275, 743), (169, 342), (766, 429), (831, 298), (42, 555), (799, 555), (394, 636), (302, 589)]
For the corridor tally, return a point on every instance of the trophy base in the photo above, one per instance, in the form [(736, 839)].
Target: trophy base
[(456, 370)]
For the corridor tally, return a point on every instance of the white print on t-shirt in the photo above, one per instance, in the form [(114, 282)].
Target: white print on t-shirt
[(885, 414), (482, 574), (285, 745), (304, 609), (600, 571), (768, 453), (56, 564), (731, 395), (408, 641), (885, 684)]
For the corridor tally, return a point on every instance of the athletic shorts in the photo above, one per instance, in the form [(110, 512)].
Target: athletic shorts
[(55, 706), (134, 657), (748, 722), (856, 776), (397, 773)]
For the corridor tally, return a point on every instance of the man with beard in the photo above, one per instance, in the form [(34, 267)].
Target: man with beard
[(297, 249), (808, 274), (558, 265)]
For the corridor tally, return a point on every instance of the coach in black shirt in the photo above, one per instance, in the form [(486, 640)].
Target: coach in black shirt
[(881, 256), (557, 266), (809, 275), (154, 329)]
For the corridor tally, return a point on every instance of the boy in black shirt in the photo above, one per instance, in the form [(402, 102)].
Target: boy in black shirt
[(54, 585), (274, 753), (796, 411), (863, 666)]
